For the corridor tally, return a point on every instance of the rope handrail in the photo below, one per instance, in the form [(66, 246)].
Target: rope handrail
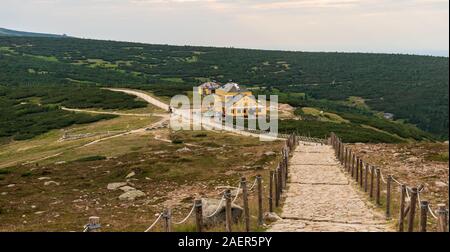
[(396, 181), (253, 186), (432, 212), (238, 191), (407, 194), (154, 223), (382, 177), (218, 207), (187, 217)]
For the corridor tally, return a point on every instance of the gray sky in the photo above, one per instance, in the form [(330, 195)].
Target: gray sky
[(399, 26)]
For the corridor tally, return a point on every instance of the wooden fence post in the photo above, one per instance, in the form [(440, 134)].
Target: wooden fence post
[(277, 196), (280, 182), (345, 157), (357, 170), (353, 165), (423, 215), (412, 209), (361, 167), (401, 218), (245, 199), (198, 215), (167, 220), (286, 175), (271, 191), (372, 174), (378, 193), (388, 196), (366, 177), (442, 218), (228, 213), (350, 157), (260, 200)]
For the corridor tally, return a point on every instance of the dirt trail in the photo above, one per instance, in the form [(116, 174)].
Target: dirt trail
[(320, 197), (185, 114)]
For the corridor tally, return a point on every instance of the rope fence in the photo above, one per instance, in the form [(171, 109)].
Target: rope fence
[(410, 197), (277, 183)]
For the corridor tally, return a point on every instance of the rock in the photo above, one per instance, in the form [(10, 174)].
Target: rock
[(51, 182), (270, 153), (115, 186), (131, 195), (271, 217), (131, 174), (11, 185), (39, 212), (4, 193), (185, 149), (61, 162), (210, 206), (412, 159), (440, 184), (127, 188), (44, 178)]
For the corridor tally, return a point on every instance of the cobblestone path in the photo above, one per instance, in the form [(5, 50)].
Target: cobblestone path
[(320, 197)]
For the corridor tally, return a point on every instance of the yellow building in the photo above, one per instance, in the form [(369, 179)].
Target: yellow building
[(236, 101), (208, 88), (243, 106)]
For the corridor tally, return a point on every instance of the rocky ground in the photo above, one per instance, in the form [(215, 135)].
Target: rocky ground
[(127, 191), (413, 164)]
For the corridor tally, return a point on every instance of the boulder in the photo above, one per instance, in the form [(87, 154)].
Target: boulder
[(270, 153), (209, 209), (115, 186), (131, 195), (440, 184), (271, 217), (131, 174), (127, 188), (185, 149), (47, 183), (44, 178)]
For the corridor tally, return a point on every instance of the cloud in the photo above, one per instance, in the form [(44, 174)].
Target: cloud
[(324, 25)]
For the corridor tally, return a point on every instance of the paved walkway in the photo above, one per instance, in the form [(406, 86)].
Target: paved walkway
[(321, 198)]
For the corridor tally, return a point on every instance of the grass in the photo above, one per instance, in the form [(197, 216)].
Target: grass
[(90, 158), (173, 79), (161, 172), (438, 157), (47, 144), (324, 116)]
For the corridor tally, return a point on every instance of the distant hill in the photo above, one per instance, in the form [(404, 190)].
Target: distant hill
[(13, 33), (413, 88)]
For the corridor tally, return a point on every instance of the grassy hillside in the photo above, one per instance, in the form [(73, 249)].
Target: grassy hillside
[(413, 88), (27, 111)]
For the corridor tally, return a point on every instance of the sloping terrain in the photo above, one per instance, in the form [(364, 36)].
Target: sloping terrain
[(413, 88)]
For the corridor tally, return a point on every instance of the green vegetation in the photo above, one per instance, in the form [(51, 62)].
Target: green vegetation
[(413, 88), (28, 111), (348, 132), (90, 158), (438, 157)]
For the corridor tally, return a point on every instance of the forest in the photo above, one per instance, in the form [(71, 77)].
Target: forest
[(27, 111), (413, 88)]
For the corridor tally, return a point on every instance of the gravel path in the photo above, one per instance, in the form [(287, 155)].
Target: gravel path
[(320, 197)]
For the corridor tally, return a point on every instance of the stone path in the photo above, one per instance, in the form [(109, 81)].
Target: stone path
[(320, 197)]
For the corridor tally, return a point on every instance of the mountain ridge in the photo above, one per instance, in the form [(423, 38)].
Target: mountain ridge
[(15, 33)]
